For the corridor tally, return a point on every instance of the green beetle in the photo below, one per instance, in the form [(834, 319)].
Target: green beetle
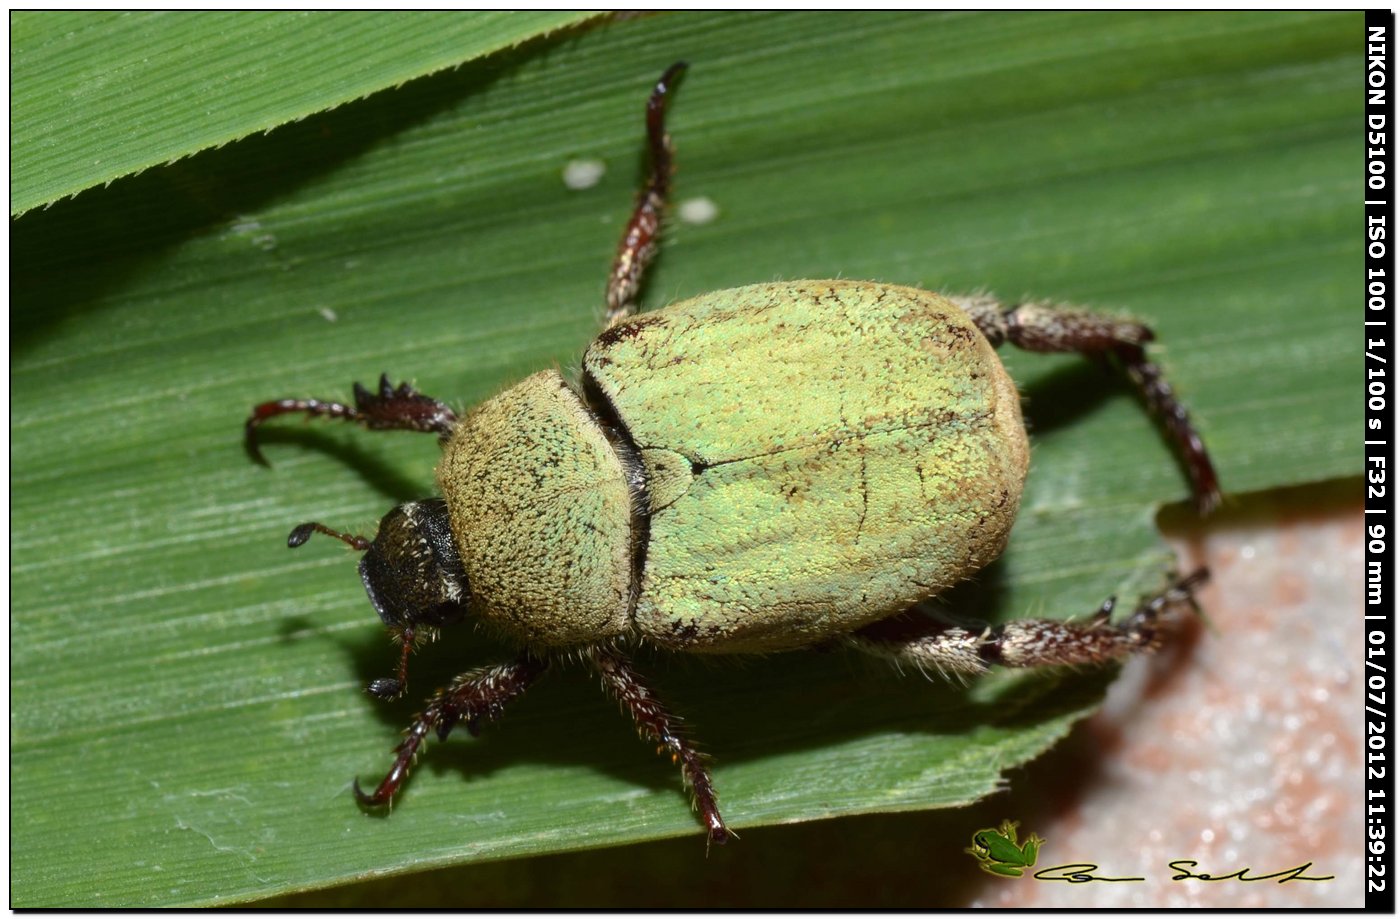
[(674, 500)]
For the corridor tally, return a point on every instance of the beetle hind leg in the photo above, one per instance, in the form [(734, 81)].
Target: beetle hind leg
[(390, 408), (1048, 329), (470, 698), (621, 679), (953, 652), (959, 652)]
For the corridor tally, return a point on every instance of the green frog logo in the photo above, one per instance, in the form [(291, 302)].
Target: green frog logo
[(998, 852)]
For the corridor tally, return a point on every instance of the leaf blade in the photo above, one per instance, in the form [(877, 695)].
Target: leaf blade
[(102, 95)]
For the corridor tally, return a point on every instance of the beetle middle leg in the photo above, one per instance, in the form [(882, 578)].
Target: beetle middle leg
[(470, 697), (622, 680), (954, 651), (391, 408), (638, 245), (1054, 329)]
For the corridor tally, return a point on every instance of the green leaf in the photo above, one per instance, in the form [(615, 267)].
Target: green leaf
[(99, 95), (186, 704)]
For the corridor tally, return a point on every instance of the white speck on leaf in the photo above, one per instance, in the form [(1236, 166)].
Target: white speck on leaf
[(698, 211), (581, 174)]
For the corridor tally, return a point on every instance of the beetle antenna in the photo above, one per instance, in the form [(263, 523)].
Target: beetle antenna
[(388, 688), (302, 533)]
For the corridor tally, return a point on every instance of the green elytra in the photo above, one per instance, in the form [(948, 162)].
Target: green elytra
[(879, 460), (752, 470)]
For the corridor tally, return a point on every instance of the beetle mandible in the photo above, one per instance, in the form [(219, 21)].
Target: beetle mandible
[(881, 462)]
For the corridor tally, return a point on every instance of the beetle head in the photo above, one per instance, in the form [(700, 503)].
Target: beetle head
[(412, 572), (413, 575)]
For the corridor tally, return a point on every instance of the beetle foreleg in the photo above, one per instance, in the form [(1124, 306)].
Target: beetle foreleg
[(928, 644), (638, 245), (1053, 329), (623, 681), (473, 696), (392, 408)]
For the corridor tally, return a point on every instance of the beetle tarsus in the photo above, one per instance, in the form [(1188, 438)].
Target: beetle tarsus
[(717, 834), (623, 681), (314, 408), (639, 238), (929, 644), (1053, 642), (473, 696), (1158, 394)]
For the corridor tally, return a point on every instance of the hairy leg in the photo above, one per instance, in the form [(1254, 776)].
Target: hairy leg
[(1049, 328), (470, 697), (638, 245), (392, 408), (956, 652), (622, 680)]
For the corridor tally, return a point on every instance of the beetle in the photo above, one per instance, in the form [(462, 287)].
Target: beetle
[(762, 469)]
